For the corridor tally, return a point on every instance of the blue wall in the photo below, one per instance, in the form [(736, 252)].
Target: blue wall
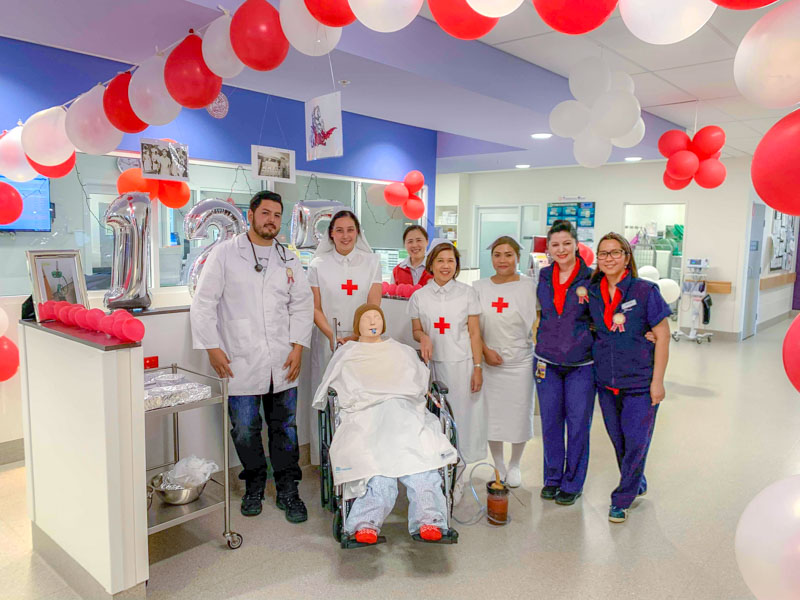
[(34, 77)]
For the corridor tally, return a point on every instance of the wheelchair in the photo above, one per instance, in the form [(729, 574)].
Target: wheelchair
[(331, 496)]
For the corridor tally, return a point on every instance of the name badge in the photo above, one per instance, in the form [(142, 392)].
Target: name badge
[(629, 305)]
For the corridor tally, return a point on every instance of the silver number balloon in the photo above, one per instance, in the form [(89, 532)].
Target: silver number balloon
[(220, 214), (129, 218), (306, 219)]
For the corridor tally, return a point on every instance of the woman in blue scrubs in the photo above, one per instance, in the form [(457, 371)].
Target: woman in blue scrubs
[(628, 367), (563, 365)]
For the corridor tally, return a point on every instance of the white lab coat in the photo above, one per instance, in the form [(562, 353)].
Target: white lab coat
[(384, 426), (508, 311), (254, 317), (452, 362)]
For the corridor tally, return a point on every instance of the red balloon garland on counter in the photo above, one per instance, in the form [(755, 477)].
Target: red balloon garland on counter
[(696, 158), (120, 323)]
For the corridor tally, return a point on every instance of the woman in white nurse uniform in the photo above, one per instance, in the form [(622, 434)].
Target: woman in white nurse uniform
[(344, 274), (445, 321), (508, 311)]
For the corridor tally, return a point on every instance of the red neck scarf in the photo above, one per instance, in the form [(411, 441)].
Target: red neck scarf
[(611, 306), (559, 289)]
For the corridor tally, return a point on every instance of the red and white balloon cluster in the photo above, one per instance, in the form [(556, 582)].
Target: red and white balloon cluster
[(404, 194), (9, 353), (605, 112), (696, 158), (119, 324), (398, 290)]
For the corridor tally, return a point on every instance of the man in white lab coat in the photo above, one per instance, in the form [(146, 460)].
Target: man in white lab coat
[(253, 312)]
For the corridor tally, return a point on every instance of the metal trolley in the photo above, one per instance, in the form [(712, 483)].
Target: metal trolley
[(161, 516)]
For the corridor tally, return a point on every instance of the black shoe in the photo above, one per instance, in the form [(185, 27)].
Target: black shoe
[(549, 492), (251, 504), (566, 499), (293, 506)]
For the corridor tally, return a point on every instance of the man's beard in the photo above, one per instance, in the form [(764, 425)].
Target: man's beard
[(264, 234)]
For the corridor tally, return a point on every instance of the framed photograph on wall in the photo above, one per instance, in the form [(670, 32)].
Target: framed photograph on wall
[(162, 159), (272, 164), (57, 275)]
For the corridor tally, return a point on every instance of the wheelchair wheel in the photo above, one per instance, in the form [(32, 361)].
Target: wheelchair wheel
[(337, 526)]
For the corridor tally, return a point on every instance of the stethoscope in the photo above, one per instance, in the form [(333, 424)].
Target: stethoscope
[(282, 253)]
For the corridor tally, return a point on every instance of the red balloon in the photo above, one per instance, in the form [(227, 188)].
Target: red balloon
[(775, 169), (414, 181), (57, 309), (384, 288), (131, 180), (587, 254), (673, 141), (62, 313), (80, 318), (174, 194), (683, 164), (711, 173), (414, 208), (72, 313), (106, 323), (121, 313), (675, 184), (458, 19), (94, 317), (9, 359), (189, 80), (333, 13), (395, 194), (55, 171), (417, 287), (257, 36), (791, 353), (743, 4), (117, 106), (574, 16), (392, 289), (10, 203), (708, 140), (116, 328), (132, 330)]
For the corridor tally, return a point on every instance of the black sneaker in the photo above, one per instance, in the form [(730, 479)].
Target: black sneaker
[(293, 506), (549, 492), (251, 504), (566, 499)]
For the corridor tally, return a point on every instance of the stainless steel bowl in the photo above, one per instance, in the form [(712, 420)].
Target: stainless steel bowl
[(184, 496)]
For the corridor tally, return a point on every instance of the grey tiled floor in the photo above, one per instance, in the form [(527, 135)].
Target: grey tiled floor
[(727, 429)]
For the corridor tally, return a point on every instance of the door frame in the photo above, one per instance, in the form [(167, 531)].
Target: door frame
[(476, 227)]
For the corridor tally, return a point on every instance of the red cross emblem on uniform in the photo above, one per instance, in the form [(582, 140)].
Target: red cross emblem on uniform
[(349, 287), (500, 304), (441, 325)]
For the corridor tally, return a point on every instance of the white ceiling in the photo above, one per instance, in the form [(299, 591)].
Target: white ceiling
[(680, 82)]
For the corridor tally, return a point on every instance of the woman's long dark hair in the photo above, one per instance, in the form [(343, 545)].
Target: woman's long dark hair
[(626, 247)]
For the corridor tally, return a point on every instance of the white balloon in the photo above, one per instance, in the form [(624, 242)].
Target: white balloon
[(569, 118), (620, 80), (766, 541), (3, 322), (44, 138), (386, 15), (660, 22), (767, 64), (218, 51), (87, 126), (13, 163), (148, 93), (615, 113), (304, 32), (591, 150), (649, 272), (670, 290), (632, 138), (494, 8), (589, 79)]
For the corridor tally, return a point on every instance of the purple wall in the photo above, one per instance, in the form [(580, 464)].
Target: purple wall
[(34, 77)]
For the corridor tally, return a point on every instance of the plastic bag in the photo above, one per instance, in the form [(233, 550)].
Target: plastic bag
[(189, 472)]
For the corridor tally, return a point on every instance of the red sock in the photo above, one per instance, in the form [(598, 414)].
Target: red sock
[(430, 532), (366, 536)]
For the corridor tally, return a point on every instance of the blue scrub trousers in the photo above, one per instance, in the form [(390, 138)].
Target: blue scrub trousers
[(566, 400), (630, 419)]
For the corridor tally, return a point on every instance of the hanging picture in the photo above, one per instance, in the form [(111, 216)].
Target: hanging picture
[(164, 159), (324, 127), (272, 164)]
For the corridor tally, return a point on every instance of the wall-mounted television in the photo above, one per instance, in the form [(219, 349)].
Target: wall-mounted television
[(36, 210)]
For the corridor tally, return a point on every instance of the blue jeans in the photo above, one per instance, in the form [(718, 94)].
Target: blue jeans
[(279, 410)]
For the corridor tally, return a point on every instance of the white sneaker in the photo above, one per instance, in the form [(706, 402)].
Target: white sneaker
[(514, 477), (458, 492)]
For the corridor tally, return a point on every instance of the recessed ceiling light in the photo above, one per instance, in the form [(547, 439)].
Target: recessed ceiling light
[(523, 166), (541, 136), (344, 82), (633, 158)]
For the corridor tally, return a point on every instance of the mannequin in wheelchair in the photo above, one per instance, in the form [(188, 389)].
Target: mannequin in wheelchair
[(385, 433)]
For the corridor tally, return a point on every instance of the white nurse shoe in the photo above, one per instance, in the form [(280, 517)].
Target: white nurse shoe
[(514, 477)]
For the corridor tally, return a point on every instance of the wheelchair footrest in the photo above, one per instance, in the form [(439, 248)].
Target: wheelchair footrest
[(349, 542), (448, 537)]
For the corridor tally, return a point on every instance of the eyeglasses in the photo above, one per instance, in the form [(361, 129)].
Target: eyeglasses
[(615, 254)]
